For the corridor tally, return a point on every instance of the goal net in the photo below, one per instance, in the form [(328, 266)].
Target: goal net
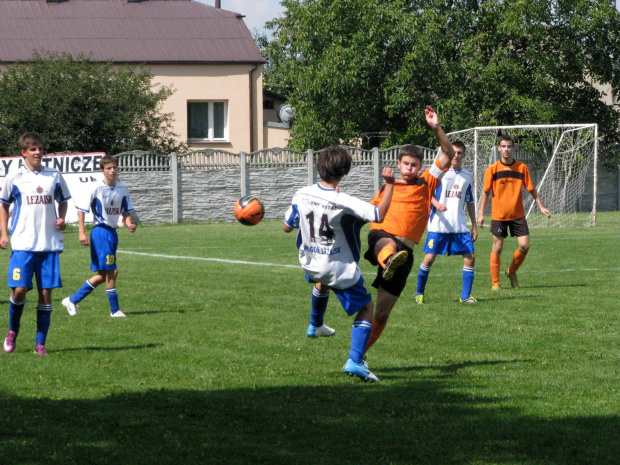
[(562, 162)]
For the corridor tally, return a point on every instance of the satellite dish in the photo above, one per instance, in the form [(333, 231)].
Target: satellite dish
[(285, 113)]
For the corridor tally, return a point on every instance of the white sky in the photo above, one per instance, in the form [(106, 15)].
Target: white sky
[(257, 12)]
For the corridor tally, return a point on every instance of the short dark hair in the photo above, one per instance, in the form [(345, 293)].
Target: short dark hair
[(506, 137), (409, 150), (459, 144), (333, 164), (28, 139), (106, 160)]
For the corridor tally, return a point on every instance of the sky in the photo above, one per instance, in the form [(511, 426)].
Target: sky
[(257, 12)]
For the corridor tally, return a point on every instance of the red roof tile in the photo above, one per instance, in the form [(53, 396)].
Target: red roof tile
[(151, 31)]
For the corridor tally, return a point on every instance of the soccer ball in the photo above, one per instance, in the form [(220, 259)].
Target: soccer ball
[(249, 210)]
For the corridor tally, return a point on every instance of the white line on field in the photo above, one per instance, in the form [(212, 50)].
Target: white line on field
[(181, 257), (241, 262)]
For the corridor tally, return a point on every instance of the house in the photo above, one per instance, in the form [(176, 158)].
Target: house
[(205, 53)]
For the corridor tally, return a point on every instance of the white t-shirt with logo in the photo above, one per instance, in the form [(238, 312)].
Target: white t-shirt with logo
[(107, 203), (33, 219), (454, 192), (329, 225)]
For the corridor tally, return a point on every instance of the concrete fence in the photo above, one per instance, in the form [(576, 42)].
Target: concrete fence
[(203, 186)]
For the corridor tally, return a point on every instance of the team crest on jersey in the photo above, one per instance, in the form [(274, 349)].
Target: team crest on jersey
[(456, 186), (39, 190)]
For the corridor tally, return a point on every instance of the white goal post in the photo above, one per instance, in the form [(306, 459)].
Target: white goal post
[(560, 158)]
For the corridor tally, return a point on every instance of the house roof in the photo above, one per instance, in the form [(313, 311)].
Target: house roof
[(122, 31)]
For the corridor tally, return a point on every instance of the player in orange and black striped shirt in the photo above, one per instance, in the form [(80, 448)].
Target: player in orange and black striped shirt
[(391, 242), (504, 179)]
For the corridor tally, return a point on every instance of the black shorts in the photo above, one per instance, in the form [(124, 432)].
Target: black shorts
[(517, 228), (398, 282)]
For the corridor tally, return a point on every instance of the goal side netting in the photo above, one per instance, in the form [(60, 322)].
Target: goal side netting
[(562, 161)]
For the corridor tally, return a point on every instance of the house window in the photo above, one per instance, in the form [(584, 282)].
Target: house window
[(207, 121)]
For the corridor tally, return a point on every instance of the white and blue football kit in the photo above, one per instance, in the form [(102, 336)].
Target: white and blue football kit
[(329, 246), (448, 232), (36, 241), (33, 225), (107, 204), (329, 234)]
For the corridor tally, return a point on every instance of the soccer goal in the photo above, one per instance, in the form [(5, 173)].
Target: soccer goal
[(562, 160)]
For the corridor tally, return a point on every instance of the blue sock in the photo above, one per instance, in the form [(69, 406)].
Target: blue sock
[(468, 282), (360, 333), (44, 314), (113, 299), (422, 278), (15, 314), (82, 292), (319, 306)]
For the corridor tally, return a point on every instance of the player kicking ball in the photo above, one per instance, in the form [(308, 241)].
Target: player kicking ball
[(404, 222), (448, 233), (329, 224), (108, 200)]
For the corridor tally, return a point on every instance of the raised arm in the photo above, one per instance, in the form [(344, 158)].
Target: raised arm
[(447, 154)]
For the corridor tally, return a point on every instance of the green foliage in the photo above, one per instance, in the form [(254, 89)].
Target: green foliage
[(356, 66), (78, 105), (212, 364)]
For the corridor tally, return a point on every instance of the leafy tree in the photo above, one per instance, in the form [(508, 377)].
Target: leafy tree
[(78, 105), (356, 66)]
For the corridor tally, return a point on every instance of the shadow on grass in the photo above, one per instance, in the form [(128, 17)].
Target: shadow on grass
[(450, 369), (102, 348), (422, 422)]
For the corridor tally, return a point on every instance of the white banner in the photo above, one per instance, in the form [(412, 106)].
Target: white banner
[(80, 170)]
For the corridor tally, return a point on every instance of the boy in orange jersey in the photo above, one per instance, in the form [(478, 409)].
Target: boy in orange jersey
[(390, 243), (505, 178)]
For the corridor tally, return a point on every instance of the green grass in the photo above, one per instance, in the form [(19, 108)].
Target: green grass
[(212, 365)]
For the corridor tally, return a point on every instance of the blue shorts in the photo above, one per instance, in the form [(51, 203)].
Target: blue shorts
[(449, 243), (45, 266), (103, 245), (354, 298)]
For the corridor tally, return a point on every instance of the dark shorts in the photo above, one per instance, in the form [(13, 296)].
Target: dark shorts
[(398, 282), (517, 228)]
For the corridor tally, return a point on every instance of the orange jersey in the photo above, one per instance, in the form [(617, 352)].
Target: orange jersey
[(506, 182), (411, 204)]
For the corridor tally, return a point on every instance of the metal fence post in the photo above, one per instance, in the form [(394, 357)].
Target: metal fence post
[(174, 173), (243, 167), (310, 162)]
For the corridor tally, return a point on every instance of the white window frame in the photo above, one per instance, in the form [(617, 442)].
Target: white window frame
[(211, 129)]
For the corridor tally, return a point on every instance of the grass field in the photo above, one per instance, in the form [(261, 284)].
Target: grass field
[(212, 366)]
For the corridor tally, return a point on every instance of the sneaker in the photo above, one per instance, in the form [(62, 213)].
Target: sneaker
[(514, 282), (495, 287), (9, 341), (70, 306), (319, 331), (40, 349), (358, 369), (393, 263), (469, 300), (419, 299), (117, 314)]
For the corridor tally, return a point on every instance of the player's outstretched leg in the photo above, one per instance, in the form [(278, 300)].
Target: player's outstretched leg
[(393, 263)]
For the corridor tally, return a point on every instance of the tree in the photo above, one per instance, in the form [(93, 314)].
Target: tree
[(78, 105), (357, 66)]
